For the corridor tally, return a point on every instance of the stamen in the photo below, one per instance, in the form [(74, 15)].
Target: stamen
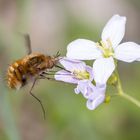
[(106, 48), (109, 44), (103, 44), (81, 74), (100, 47)]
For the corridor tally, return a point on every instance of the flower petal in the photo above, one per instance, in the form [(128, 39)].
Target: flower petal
[(83, 49), (76, 90), (65, 76), (128, 52), (114, 30), (71, 64), (85, 87), (90, 71), (92, 104), (97, 98), (103, 69)]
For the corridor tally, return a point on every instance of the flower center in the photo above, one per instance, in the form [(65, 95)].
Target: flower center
[(81, 74), (106, 48)]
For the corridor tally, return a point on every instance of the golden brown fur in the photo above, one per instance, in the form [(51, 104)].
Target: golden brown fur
[(22, 70)]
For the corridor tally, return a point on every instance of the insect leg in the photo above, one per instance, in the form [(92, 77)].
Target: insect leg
[(45, 77), (37, 97), (61, 68), (28, 43)]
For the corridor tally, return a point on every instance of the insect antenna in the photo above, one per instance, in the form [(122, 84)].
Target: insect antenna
[(44, 114)]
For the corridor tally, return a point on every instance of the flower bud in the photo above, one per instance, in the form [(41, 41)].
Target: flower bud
[(112, 80), (107, 99)]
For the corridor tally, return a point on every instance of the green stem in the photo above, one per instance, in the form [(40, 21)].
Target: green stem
[(119, 85), (131, 99), (123, 94)]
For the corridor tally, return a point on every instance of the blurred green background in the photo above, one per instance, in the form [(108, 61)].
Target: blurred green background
[(52, 24)]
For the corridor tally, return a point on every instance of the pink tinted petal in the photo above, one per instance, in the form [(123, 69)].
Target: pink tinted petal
[(83, 49), (103, 68), (71, 64), (76, 90), (65, 76), (100, 88), (97, 98), (114, 30), (86, 88), (128, 52), (92, 104)]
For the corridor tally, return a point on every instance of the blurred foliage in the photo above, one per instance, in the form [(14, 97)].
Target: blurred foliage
[(67, 116), (136, 3)]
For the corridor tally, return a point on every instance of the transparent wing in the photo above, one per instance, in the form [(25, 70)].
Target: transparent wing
[(28, 43)]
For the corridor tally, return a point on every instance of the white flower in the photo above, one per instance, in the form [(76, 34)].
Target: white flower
[(106, 50)]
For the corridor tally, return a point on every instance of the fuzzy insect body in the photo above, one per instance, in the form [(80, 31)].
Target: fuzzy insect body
[(23, 70)]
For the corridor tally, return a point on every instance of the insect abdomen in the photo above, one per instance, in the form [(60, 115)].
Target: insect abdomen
[(16, 75)]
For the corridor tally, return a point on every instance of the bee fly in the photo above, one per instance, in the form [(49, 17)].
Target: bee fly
[(30, 68)]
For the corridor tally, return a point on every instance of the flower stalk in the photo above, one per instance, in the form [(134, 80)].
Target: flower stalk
[(123, 94)]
